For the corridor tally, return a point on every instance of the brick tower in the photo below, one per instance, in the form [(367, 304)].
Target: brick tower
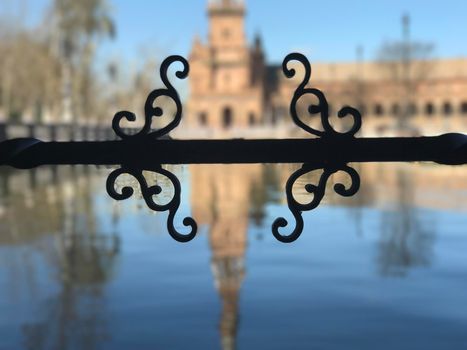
[(227, 74)]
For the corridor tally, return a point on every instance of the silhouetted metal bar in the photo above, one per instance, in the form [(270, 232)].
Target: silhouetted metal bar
[(28, 153), (329, 150)]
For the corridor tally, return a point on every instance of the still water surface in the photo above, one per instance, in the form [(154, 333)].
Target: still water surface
[(385, 269)]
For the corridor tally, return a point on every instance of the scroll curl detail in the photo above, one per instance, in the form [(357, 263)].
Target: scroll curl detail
[(151, 108), (321, 108), (317, 192), (149, 193)]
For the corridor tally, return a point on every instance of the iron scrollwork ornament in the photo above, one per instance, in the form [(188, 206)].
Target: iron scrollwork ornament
[(151, 109), (317, 191), (149, 193), (321, 108), (330, 151)]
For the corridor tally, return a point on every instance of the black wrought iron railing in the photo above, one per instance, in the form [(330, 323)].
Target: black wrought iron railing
[(148, 150)]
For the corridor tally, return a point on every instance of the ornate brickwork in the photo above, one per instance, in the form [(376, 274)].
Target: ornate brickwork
[(227, 75), (232, 89)]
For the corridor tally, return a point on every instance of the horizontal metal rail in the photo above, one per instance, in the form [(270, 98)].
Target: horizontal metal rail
[(328, 150), (145, 152)]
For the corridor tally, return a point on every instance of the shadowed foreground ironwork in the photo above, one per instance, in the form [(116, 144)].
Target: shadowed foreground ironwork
[(148, 150)]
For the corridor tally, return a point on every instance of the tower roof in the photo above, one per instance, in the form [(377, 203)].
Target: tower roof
[(226, 7)]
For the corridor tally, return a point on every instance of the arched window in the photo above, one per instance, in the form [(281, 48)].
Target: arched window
[(395, 109), (464, 108), (447, 109), (379, 110), (251, 119), (281, 112), (227, 118), (203, 119), (412, 109), (362, 109), (274, 115), (429, 109)]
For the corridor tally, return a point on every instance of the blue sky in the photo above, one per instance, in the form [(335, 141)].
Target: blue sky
[(326, 30)]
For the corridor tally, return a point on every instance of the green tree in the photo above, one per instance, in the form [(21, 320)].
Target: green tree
[(26, 87), (81, 25)]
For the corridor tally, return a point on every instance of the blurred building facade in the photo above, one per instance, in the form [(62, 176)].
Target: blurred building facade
[(233, 89), (227, 75)]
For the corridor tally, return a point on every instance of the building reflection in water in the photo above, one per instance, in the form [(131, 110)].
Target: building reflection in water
[(57, 218), (404, 195), (220, 199), (406, 237), (230, 198), (225, 198), (54, 212)]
